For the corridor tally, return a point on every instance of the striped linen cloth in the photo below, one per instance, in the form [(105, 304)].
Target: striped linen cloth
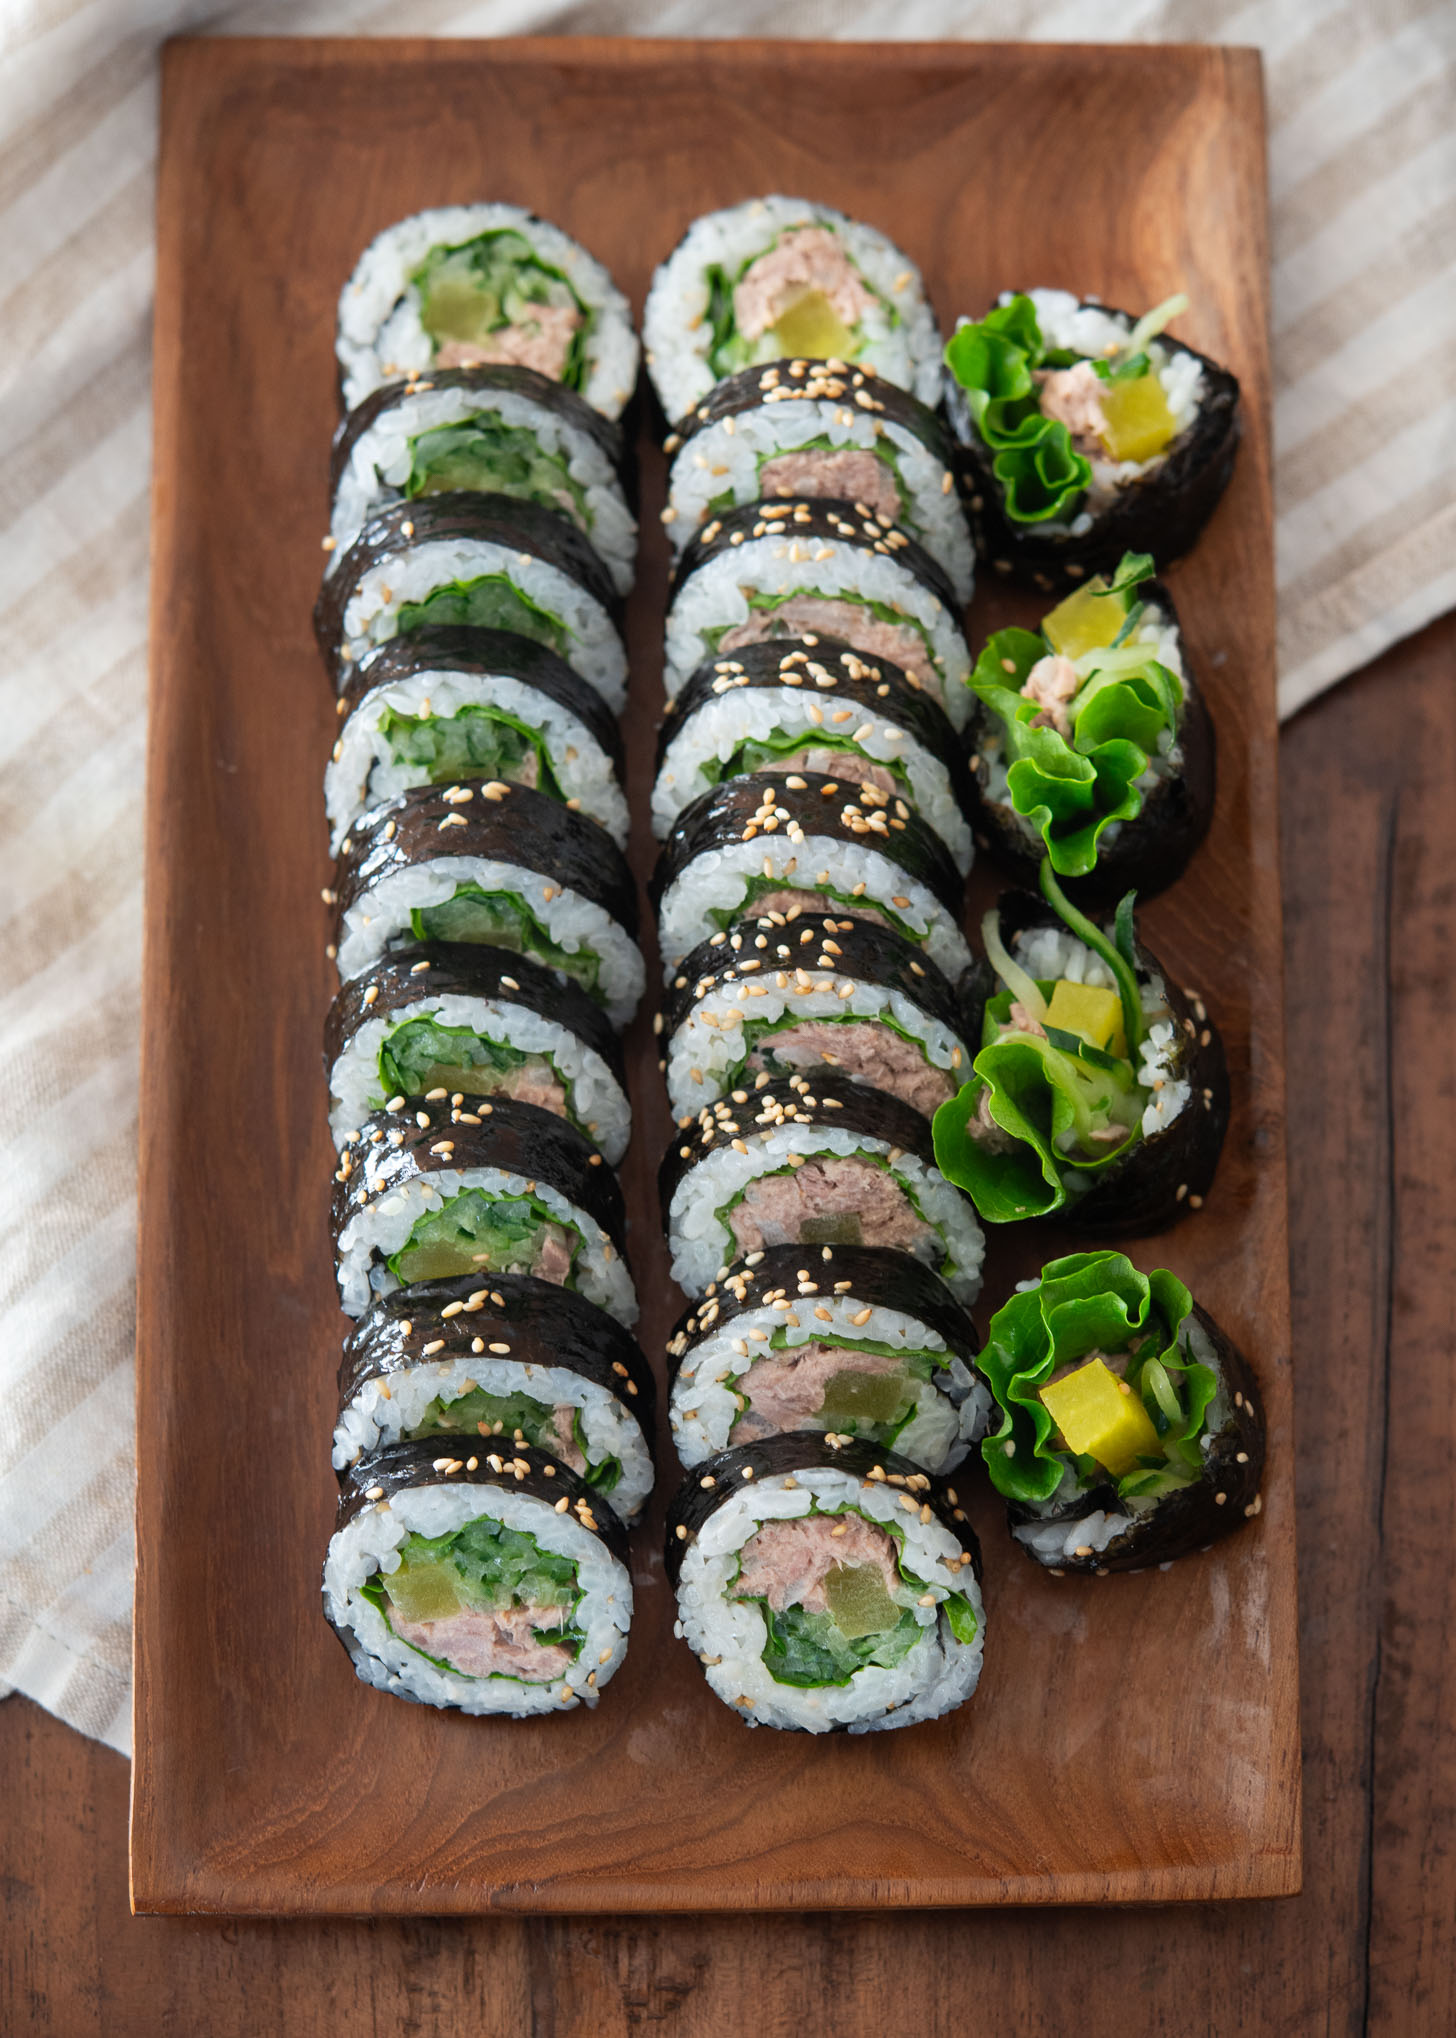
[(1363, 173)]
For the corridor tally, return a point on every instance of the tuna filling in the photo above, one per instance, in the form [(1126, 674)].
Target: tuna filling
[(484, 1601), (805, 271), (844, 622), (817, 1387), (831, 1595), (863, 1049), (844, 474), (832, 1200)]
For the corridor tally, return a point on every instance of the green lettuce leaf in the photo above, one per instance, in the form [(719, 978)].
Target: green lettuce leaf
[(1041, 478)]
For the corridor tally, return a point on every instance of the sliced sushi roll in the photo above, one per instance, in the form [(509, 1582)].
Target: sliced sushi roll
[(483, 560), (820, 428), (429, 1193), (826, 1584), (1086, 433), (777, 278), (469, 286), (791, 707), (485, 431), (819, 996), (1099, 1089), (781, 846), (456, 1577), (1090, 742), (810, 571), (449, 1019), (497, 866), (837, 1338), (508, 1360), (833, 1163), (1130, 1427), (441, 705)]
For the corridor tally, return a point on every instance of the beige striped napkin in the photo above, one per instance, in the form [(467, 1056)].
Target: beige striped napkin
[(1363, 171)]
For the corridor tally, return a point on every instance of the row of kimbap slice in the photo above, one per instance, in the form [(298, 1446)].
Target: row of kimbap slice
[(494, 1435)]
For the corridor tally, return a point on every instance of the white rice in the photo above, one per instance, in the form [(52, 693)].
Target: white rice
[(364, 773), (743, 713), (574, 923), (714, 600), (702, 1244), (724, 459), (379, 468), (371, 1543), (592, 646), (372, 1235), (678, 336), (708, 1047), (728, 1636), (381, 339), (719, 880), (593, 1093), (375, 1417)]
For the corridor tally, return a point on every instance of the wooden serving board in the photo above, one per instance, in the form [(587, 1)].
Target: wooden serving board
[(1133, 1739)]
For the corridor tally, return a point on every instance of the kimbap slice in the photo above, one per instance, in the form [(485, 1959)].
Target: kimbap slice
[(471, 286), (820, 428), (441, 705), (1090, 742), (495, 866), (779, 278), (1130, 1428), (1086, 433), (486, 561), (430, 1194), (819, 996), (1099, 1089), (846, 1339), (827, 1163), (824, 1583), (485, 431), (455, 1576), (777, 847), (452, 1020), (791, 707), (505, 1360), (815, 571)]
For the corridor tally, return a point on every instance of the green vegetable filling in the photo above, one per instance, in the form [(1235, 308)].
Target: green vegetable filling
[(482, 1567), (486, 456), (491, 602), (478, 287), (514, 1417), (815, 901), (422, 1055), (503, 920), (476, 1233), (476, 742), (761, 753)]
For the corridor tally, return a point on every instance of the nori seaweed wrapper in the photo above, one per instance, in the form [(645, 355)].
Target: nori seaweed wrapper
[(876, 1275), (521, 1468), (825, 1102), (520, 1139), (704, 1489), (1153, 849), (444, 969), (1190, 1517), (544, 1325), (519, 826), (830, 382), (729, 813), (835, 676), (1148, 1187), (488, 519), (462, 647), (815, 520), (1161, 512)]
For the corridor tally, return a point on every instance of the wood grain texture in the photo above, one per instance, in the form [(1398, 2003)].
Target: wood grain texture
[(267, 1779), (1364, 1948)]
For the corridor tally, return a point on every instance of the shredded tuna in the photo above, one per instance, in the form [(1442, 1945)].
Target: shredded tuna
[(850, 764), (1075, 396), (803, 259), (847, 475), (786, 1390), (535, 1082), (542, 342), (1021, 1021), (553, 1259), (985, 1131), (1108, 1135), (847, 622), (787, 1562), (563, 1424), (863, 1049), (787, 902), (491, 1643), (1051, 683), (774, 1209)]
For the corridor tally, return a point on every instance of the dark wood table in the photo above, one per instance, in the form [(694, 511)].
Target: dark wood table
[(1369, 848)]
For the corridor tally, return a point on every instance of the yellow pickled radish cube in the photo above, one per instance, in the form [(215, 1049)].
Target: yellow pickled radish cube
[(1094, 1014), (1139, 422), (811, 326), (1100, 1417), (424, 1591), (1087, 620)]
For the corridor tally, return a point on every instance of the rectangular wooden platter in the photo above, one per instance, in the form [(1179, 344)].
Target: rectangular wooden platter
[(1133, 1739)]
